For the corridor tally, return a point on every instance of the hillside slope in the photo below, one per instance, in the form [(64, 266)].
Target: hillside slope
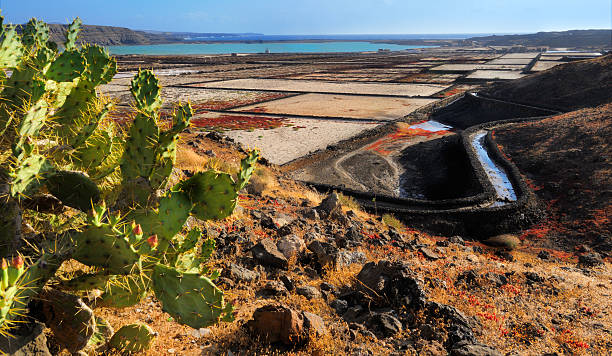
[(570, 86)]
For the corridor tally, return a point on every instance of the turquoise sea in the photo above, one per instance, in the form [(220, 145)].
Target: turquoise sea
[(275, 47)]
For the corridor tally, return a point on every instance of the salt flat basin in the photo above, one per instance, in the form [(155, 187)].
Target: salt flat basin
[(497, 175), (431, 126)]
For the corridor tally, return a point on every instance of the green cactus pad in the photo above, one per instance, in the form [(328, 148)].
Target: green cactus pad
[(247, 166), (139, 155), (174, 210), (11, 50), (102, 246), (29, 175), (133, 338), (87, 282), (190, 241), (94, 151), (191, 299), (212, 193), (90, 128), (74, 189), (33, 119), (101, 68), (35, 33), (146, 91), (166, 156), (72, 34), (75, 105), (66, 67), (124, 291)]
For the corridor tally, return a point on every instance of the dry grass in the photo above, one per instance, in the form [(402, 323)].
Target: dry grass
[(392, 221), (349, 202)]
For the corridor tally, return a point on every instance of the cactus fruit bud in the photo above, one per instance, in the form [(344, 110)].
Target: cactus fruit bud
[(17, 262), (5, 277), (137, 230), (152, 241), (15, 270)]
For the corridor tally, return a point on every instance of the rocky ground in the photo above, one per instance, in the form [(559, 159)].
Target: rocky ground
[(311, 274)]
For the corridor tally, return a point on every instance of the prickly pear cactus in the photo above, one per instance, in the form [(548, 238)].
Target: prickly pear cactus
[(57, 140), (133, 338)]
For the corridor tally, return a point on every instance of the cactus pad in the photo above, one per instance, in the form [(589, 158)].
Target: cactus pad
[(94, 151), (247, 166), (146, 91), (67, 67), (28, 176), (72, 34), (174, 210), (11, 50), (133, 338), (101, 68), (212, 193), (139, 155), (102, 246), (74, 189), (124, 291), (190, 298)]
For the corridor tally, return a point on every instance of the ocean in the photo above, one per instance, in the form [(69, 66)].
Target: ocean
[(273, 47)]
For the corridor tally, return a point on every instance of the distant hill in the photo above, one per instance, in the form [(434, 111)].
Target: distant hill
[(115, 36), (573, 38)]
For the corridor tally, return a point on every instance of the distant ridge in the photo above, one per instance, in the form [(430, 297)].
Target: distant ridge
[(572, 38)]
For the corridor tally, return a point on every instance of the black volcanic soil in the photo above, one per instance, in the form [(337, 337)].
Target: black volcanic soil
[(568, 159), (569, 86)]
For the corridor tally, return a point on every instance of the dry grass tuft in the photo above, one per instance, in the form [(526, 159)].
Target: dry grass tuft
[(392, 221), (349, 202)]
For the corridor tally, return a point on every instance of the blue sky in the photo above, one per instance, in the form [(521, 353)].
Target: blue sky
[(323, 16)]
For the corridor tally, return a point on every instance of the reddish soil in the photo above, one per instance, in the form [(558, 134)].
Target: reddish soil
[(567, 160), (239, 122)]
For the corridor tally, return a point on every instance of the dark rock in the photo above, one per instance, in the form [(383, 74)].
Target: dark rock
[(71, 321), (278, 324), (288, 282), (477, 249), (544, 255), (443, 243), (456, 240), (429, 254), (285, 230), (330, 204), (339, 305), (505, 255), (266, 253), (385, 324), (428, 332), (534, 277), (240, 273), (313, 324), (469, 278), (327, 254), (309, 292), (497, 279), (311, 214), (328, 287), (290, 245), (591, 259), (28, 340), (387, 282), (473, 349), (273, 288)]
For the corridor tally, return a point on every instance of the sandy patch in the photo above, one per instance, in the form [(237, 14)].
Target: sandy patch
[(325, 87), (503, 61), (471, 67), (341, 106), (529, 55), (495, 74), (544, 65), (285, 144)]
